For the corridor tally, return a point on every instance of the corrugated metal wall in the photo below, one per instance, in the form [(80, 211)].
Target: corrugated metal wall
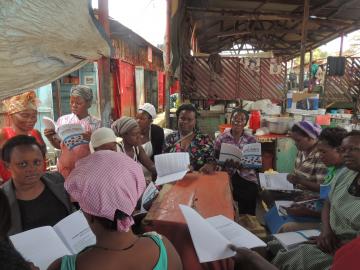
[(198, 82)]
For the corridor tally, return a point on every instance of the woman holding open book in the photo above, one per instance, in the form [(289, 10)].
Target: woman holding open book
[(81, 97), (189, 139), (244, 181), (340, 215), (22, 113), (36, 199), (117, 247)]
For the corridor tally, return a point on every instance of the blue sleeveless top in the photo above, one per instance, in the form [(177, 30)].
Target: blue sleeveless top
[(68, 262)]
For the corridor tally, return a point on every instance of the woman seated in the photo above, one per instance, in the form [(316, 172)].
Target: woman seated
[(244, 181), (128, 129), (189, 139), (81, 97), (117, 247), (10, 259), (36, 199), (22, 113), (340, 215), (301, 217), (152, 136)]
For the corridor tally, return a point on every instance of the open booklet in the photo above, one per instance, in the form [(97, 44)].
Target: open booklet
[(70, 134), (44, 245), (277, 181), (148, 196), (313, 205), (212, 236), (291, 240), (171, 167), (248, 157)]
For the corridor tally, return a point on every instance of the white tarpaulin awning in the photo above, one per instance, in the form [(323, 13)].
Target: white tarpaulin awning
[(40, 41)]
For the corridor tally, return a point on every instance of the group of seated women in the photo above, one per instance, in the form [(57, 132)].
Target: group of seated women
[(327, 167)]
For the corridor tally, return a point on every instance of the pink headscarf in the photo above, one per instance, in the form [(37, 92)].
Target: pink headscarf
[(105, 182)]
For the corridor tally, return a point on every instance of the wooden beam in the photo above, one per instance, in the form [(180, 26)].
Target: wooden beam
[(303, 44)]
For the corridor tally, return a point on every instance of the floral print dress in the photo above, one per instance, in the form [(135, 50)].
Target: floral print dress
[(201, 149)]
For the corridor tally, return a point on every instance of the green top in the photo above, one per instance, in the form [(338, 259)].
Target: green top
[(69, 262), (331, 171)]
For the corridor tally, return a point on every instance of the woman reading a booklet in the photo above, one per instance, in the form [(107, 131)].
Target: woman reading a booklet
[(303, 215), (117, 247), (340, 215), (22, 112), (36, 199), (244, 181), (81, 97), (189, 139), (128, 129)]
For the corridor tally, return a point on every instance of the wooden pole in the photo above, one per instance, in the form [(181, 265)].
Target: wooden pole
[(303, 44), (104, 68), (310, 62), (341, 44), (168, 73)]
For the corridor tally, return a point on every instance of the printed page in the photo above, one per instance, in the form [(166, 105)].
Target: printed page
[(149, 194), (210, 245), (40, 246), (171, 167), (251, 156), (276, 181), (230, 151), (71, 135), (49, 123), (75, 232), (235, 233), (292, 239), (280, 207)]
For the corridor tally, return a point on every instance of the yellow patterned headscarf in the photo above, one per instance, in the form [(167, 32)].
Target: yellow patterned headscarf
[(21, 102)]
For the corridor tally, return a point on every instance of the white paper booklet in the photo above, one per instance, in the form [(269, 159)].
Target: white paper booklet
[(72, 135), (171, 167), (276, 181), (49, 123), (44, 245), (281, 205), (248, 157), (291, 240), (149, 194), (211, 237)]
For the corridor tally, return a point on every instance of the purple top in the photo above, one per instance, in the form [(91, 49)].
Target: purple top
[(227, 137)]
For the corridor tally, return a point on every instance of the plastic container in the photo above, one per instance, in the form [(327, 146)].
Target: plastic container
[(288, 100), (255, 118), (323, 120), (279, 125)]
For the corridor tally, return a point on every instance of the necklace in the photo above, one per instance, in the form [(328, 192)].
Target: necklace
[(118, 249)]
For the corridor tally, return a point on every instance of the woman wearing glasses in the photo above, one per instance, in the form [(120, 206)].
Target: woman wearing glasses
[(244, 181)]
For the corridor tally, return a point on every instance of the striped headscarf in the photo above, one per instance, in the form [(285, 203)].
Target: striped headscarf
[(22, 102), (311, 129), (123, 125), (107, 184), (82, 91)]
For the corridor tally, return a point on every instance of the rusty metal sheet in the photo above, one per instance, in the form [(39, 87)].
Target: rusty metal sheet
[(198, 82)]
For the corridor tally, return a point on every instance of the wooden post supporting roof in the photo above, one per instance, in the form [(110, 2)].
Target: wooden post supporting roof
[(168, 64), (303, 41), (341, 44), (104, 68)]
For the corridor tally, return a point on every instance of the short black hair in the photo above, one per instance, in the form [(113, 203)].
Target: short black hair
[(5, 215), (239, 110), (296, 129), (333, 136), (186, 107), (17, 141)]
